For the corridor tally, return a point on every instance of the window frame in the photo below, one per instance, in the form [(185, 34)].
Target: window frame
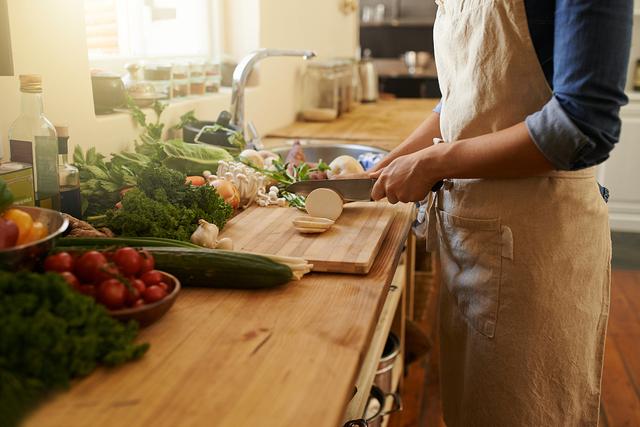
[(214, 45)]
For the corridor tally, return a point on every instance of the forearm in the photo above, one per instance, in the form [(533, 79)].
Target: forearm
[(508, 153), (420, 138)]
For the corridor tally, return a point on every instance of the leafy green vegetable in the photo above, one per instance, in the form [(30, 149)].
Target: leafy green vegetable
[(235, 138), (50, 334), (185, 119), (6, 198), (163, 206), (193, 159)]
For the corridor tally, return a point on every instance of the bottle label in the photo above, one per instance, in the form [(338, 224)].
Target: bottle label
[(21, 151), (46, 162)]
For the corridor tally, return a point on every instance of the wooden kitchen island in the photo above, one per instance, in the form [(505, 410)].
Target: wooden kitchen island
[(289, 356)]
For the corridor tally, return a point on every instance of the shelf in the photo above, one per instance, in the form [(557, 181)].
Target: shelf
[(356, 406)]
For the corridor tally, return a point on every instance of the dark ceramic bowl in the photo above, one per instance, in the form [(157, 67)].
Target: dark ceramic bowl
[(149, 313)]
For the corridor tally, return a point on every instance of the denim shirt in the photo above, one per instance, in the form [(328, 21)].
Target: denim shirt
[(583, 48)]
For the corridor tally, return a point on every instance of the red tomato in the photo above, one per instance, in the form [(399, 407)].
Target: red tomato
[(164, 286), (151, 278), (88, 290), (59, 262), (131, 297), (138, 284), (154, 293), (88, 266), (106, 272), (112, 293), (139, 303), (71, 279), (128, 261), (147, 262)]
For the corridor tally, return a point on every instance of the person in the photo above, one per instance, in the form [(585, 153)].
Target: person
[(531, 92)]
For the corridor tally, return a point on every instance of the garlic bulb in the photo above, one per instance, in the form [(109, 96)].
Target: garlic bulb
[(206, 235)]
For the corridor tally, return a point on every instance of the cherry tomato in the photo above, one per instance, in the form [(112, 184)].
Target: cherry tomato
[(151, 278), (154, 293), (147, 263), (71, 279), (59, 262), (138, 289), (23, 221), (131, 297), (138, 284), (128, 261), (112, 293), (106, 272), (88, 290), (88, 266), (164, 286), (139, 303)]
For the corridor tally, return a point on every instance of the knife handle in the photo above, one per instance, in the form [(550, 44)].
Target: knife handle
[(437, 186)]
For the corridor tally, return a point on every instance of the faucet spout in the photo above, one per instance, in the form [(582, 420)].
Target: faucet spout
[(241, 74)]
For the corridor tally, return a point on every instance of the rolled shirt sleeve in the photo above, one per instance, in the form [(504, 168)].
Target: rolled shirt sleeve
[(580, 125)]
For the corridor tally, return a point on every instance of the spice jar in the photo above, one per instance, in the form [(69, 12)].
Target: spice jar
[(180, 81), (320, 92), (159, 76), (212, 77), (196, 78)]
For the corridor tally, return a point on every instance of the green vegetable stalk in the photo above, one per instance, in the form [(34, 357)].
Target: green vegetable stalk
[(50, 334)]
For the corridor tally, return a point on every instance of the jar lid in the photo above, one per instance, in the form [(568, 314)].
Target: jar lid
[(31, 83)]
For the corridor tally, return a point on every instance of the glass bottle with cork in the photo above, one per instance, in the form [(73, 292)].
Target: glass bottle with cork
[(32, 140), (69, 177)]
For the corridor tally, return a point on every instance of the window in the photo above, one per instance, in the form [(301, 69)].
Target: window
[(119, 31)]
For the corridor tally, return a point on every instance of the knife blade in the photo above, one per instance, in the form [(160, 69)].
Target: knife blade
[(351, 190)]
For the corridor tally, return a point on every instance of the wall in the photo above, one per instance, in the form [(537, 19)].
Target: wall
[(48, 38)]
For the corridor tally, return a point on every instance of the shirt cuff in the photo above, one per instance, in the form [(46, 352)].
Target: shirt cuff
[(438, 108), (555, 135)]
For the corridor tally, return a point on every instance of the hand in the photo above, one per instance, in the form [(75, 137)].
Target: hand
[(407, 179)]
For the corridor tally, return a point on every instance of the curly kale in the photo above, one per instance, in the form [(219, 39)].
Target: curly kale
[(50, 334), (164, 206)]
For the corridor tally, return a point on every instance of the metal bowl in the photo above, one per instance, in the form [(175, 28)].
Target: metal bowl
[(25, 257), (315, 150)]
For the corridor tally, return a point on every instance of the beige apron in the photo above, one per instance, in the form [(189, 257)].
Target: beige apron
[(525, 262)]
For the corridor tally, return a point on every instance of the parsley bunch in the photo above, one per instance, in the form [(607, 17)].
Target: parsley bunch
[(163, 206), (50, 334)]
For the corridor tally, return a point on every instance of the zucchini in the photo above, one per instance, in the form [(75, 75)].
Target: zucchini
[(136, 242), (213, 268)]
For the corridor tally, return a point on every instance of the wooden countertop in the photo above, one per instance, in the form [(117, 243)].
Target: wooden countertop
[(385, 123), (281, 357)]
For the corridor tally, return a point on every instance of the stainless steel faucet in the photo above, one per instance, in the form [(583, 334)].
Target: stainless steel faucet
[(241, 74)]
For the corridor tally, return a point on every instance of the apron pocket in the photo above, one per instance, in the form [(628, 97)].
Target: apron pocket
[(471, 253)]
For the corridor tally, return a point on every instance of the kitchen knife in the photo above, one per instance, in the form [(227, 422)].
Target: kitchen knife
[(351, 190)]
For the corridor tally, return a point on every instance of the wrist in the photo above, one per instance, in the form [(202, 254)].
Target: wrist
[(437, 160)]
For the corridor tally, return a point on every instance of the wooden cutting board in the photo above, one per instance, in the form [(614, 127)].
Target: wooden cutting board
[(350, 246)]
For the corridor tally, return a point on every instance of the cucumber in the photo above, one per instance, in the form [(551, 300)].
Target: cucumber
[(136, 242), (213, 268), (193, 265)]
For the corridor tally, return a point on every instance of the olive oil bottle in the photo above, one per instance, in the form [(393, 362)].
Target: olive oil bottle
[(32, 140), (69, 177)]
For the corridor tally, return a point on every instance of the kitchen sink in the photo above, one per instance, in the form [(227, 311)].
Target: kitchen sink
[(316, 150)]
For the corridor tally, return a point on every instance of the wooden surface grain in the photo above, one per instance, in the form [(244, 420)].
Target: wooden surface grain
[(349, 246), (282, 357), (385, 123)]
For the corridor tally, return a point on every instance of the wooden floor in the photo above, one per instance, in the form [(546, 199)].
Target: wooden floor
[(620, 405)]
